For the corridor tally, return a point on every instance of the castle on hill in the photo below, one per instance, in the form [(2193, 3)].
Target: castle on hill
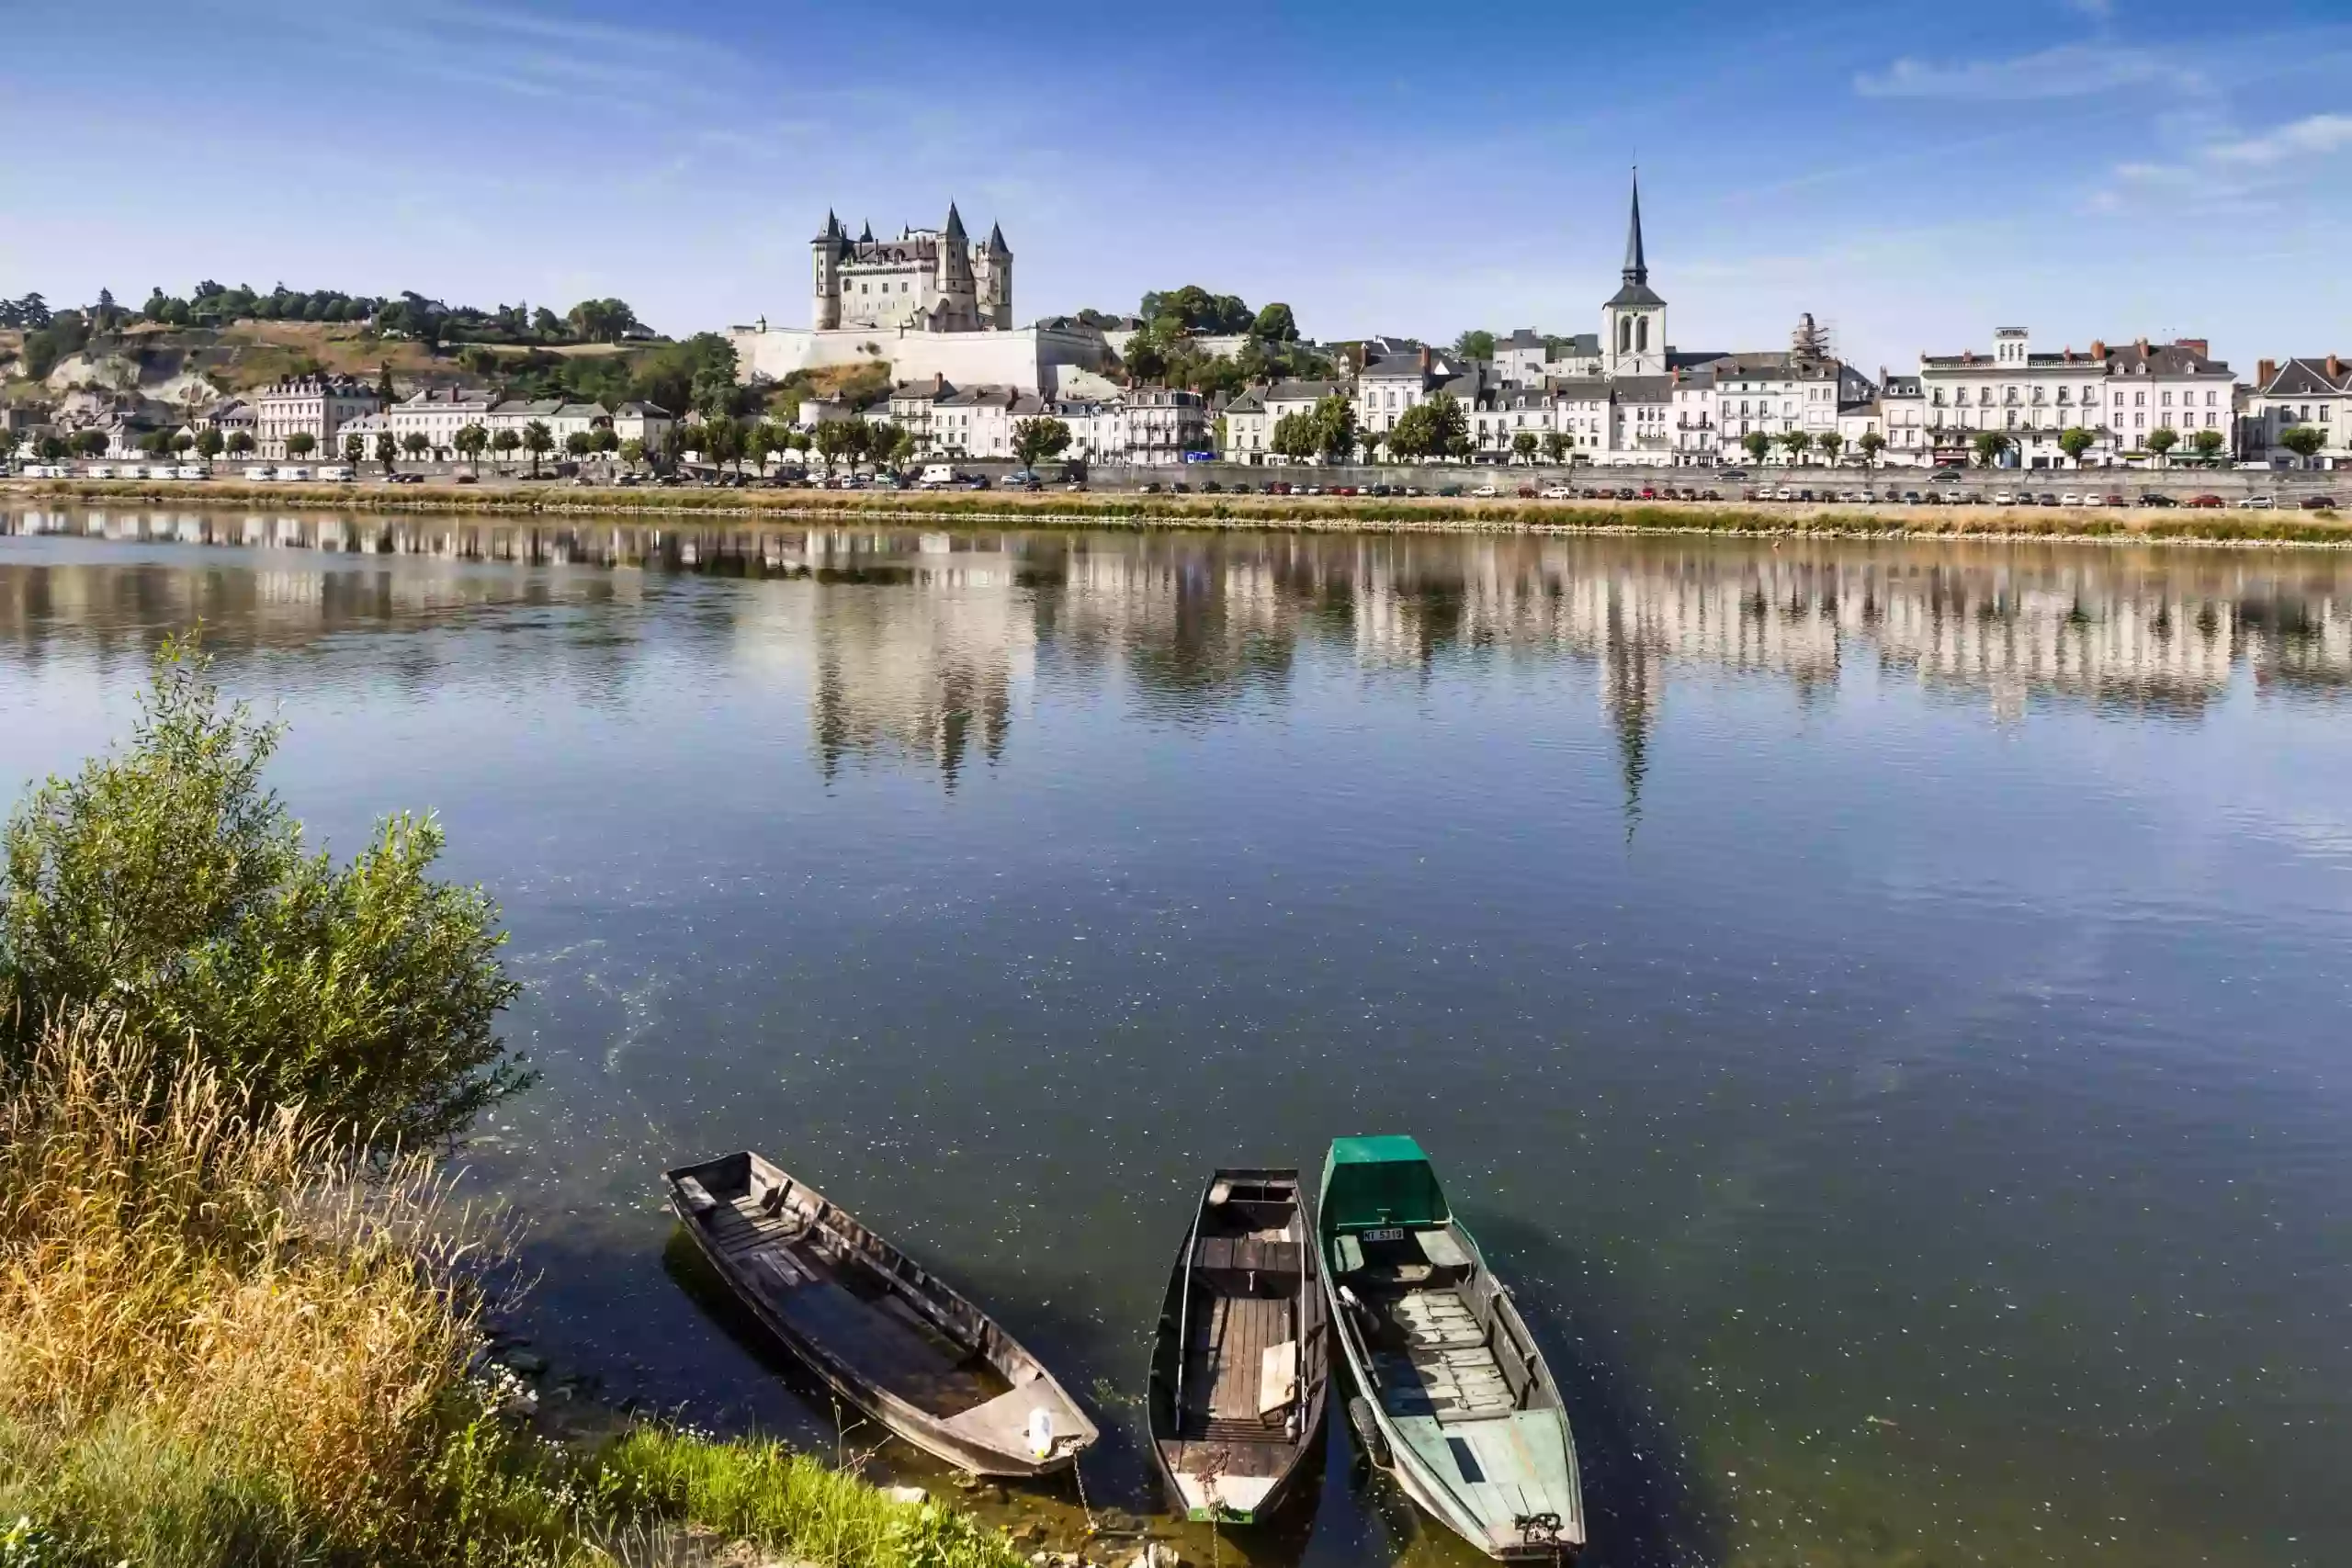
[(931, 303)]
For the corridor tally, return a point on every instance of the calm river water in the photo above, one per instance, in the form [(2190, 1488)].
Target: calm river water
[(1886, 1007)]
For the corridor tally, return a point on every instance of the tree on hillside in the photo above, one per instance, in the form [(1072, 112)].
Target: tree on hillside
[(2303, 440), (301, 444), (2162, 440), (546, 324), (384, 393), (166, 884), (1035, 440), (1275, 324), (1475, 344), (1756, 443), (507, 443), (539, 440), (1871, 445), (1831, 444), (2075, 441), (471, 439), (1523, 444), (601, 321)]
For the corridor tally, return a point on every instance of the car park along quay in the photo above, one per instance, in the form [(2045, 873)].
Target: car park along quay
[(2093, 506)]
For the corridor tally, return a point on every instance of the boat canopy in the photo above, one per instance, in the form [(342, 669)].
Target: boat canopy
[(1372, 1182)]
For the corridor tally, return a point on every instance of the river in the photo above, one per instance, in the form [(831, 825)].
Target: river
[(1885, 1006)]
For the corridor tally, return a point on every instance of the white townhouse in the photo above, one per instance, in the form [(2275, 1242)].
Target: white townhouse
[(562, 420), (316, 406), (2121, 395), (2312, 394), (1775, 394), (1386, 387), (648, 422), (437, 414), (1165, 422), (365, 430), (1285, 398), (1504, 413), (1097, 429), (2174, 387), (1249, 432), (1582, 411), (1902, 421), (1697, 437)]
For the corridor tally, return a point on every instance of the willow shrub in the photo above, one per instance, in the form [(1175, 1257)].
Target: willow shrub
[(166, 884)]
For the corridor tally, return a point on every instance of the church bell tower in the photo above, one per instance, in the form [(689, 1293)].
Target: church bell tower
[(1633, 324)]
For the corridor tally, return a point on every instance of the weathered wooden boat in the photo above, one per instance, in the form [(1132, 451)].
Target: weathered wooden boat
[(1241, 1364), (1454, 1398), (891, 1338)]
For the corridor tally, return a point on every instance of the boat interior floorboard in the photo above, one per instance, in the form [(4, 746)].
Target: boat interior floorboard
[(1223, 1361), (1436, 1360)]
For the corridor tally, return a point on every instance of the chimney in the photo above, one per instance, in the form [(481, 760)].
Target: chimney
[(2265, 369), (1425, 359), (2335, 368), (2196, 345), (938, 382), (2070, 354), (2141, 344), (2098, 349)]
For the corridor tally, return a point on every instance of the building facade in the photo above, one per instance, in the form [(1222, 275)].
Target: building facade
[(316, 406), (2312, 394)]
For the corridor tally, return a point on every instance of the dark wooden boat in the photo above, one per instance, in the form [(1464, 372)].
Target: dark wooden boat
[(883, 1333), (1241, 1364)]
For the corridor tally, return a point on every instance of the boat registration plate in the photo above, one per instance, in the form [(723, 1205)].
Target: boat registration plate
[(1384, 1232)]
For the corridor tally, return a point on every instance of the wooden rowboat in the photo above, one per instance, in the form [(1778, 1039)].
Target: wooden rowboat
[(883, 1333), (1241, 1364), (1456, 1401)]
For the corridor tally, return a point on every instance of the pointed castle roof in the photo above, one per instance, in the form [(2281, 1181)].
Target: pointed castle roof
[(955, 229), (997, 247)]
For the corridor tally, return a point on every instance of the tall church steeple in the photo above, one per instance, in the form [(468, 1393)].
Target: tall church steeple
[(1633, 324), (1637, 266)]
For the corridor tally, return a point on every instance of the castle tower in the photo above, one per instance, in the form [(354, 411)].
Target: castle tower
[(958, 293), (1633, 324), (993, 275), (825, 308)]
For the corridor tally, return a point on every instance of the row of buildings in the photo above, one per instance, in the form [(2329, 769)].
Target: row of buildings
[(331, 409), (1627, 395)]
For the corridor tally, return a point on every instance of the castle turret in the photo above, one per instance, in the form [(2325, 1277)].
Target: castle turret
[(958, 292), (993, 277), (825, 308)]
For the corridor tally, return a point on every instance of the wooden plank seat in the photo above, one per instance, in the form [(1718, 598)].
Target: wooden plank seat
[(1241, 1254)]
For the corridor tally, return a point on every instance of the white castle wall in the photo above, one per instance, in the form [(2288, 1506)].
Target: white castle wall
[(1024, 358)]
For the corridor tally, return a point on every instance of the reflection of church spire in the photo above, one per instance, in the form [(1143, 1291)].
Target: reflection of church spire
[(1632, 703)]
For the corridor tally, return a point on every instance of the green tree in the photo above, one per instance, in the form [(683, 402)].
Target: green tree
[(2075, 441), (539, 440), (1870, 445), (2303, 440), (241, 442), (760, 444), (578, 445), (1756, 443), (1989, 445), (416, 443), (354, 448), (471, 439), (1795, 443), (1275, 324), (507, 443), (2162, 440), (301, 444), (1035, 440), (1831, 444), (2209, 443), (384, 393), (91, 443), (182, 442), (210, 444), (1524, 446), (723, 442), (1475, 344), (9, 441), (834, 438), (632, 453), (1437, 428), (1294, 435), (605, 440), (1555, 446), (166, 884), (1333, 421)]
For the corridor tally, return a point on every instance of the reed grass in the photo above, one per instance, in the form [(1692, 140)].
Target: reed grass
[(228, 1339), (1346, 513)]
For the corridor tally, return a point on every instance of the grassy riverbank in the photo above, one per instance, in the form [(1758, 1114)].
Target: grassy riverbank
[(1342, 512), (241, 1321)]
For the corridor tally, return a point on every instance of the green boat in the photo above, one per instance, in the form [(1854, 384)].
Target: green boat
[(1454, 1398)]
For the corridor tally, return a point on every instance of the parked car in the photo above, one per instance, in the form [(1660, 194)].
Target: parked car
[(1211, 488), (2257, 504), (1151, 486), (2157, 498), (1483, 492), (1449, 491), (1910, 498), (2070, 499), (2112, 500), (476, 479), (2319, 503), (1527, 493), (1944, 477), (2206, 502), (1734, 474), (1557, 493), (1710, 495)]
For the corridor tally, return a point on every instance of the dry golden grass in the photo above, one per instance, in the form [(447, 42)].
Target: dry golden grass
[(203, 1285)]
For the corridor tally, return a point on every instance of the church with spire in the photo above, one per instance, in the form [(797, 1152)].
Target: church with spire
[(1633, 324), (925, 281)]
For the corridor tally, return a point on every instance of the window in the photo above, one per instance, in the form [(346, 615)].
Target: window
[(2167, 399)]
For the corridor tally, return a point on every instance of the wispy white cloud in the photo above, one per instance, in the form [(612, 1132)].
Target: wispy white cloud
[(2228, 170), (2065, 70), (2315, 136)]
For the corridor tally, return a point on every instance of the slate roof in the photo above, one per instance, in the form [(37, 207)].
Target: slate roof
[(1249, 401), (1644, 389), (1303, 391), (2309, 378), (1636, 295)]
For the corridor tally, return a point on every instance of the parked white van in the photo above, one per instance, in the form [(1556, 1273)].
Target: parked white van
[(336, 472), (194, 471), (261, 474), (938, 474), (287, 471)]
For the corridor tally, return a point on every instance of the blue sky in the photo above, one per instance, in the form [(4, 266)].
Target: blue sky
[(1915, 176)]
